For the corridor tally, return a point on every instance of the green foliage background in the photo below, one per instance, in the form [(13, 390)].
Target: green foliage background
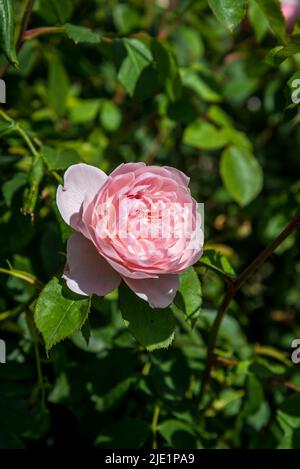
[(191, 84)]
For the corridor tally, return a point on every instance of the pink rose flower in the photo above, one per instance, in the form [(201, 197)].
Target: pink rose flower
[(139, 224), (291, 12)]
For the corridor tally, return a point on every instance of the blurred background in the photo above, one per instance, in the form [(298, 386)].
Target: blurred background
[(168, 83)]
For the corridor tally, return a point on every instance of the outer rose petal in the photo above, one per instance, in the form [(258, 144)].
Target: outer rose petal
[(159, 292), (80, 180), (124, 168), (86, 271)]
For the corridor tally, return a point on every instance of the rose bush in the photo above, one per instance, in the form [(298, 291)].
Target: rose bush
[(206, 87), (139, 224)]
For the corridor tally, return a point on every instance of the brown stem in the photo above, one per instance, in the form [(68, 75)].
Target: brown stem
[(231, 292), (25, 21)]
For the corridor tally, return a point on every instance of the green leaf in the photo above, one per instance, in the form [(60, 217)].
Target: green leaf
[(58, 86), (258, 20), (194, 82), (229, 12), (153, 328), (217, 261), (279, 54), (203, 135), (7, 31), (84, 111), (110, 115), (12, 186), (189, 295), (56, 158), (178, 434), (241, 174), (132, 58), (81, 34), (54, 11), (126, 18), (167, 69), (127, 434), (272, 11), (59, 313), (254, 396)]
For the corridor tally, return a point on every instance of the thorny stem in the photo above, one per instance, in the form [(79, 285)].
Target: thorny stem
[(232, 289)]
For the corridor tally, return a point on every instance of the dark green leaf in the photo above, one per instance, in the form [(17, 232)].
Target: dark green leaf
[(153, 328), (132, 58), (59, 313), (127, 433), (12, 186)]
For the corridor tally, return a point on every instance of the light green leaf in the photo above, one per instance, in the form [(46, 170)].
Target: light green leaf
[(241, 174), (84, 111), (110, 115), (56, 158), (217, 261), (203, 135), (229, 12), (81, 34), (59, 313), (258, 20), (153, 328)]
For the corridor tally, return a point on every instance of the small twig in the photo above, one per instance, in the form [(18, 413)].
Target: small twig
[(154, 425), (286, 384), (29, 278), (232, 289)]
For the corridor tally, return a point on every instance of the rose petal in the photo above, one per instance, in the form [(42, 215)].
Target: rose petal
[(159, 292), (86, 271), (124, 168), (80, 180)]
